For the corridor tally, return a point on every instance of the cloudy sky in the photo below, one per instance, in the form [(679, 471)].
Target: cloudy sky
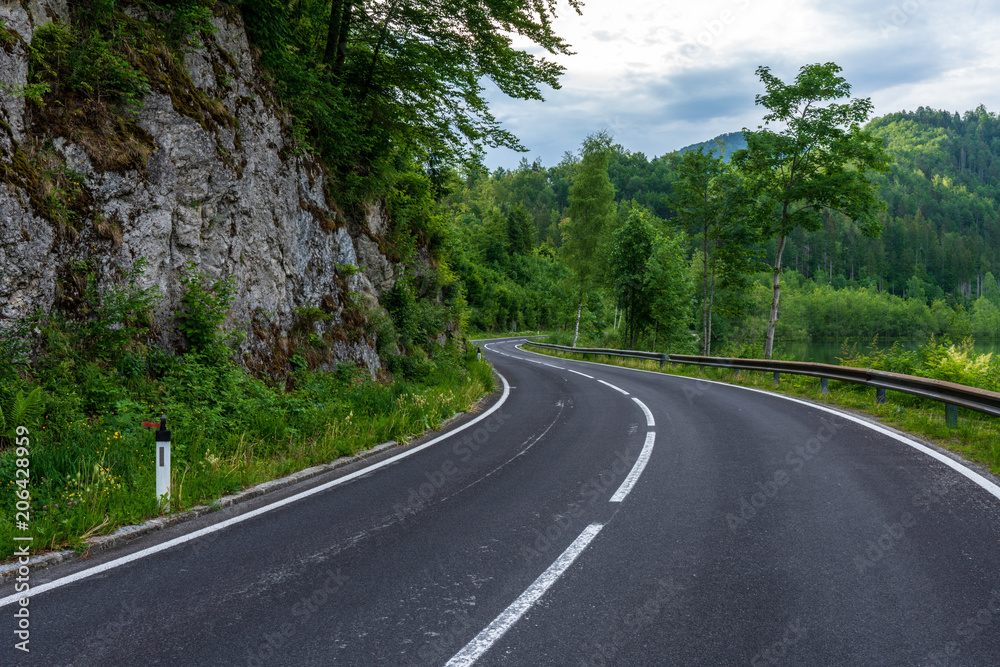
[(662, 75)]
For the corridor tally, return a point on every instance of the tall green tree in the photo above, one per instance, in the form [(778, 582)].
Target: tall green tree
[(814, 157), (339, 28), (714, 205), (648, 274), (631, 248), (670, 290), (413, 69), (985, 319), (520, 231), (591, 215), (915, 289), (991, 289)]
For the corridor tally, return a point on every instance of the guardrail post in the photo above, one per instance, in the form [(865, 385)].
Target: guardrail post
[(736, 372), (880, 395), (951, 415), (824, 386), (663, 359), (777, 379)]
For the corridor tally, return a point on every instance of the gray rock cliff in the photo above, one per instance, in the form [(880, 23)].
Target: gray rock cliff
[(233, 197)]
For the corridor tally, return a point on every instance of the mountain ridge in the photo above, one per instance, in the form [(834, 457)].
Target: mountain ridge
[(723, 145)]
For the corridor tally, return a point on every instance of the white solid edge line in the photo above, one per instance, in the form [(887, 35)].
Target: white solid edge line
[(971, 474), (640, 465), (579, 373), (104, 567), (645, 410), (509, 616), (614, 387)]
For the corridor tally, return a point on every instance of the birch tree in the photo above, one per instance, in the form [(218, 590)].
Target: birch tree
[(810, 155), (591, 212)]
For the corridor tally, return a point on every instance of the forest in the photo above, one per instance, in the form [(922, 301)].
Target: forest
[(932, 271)]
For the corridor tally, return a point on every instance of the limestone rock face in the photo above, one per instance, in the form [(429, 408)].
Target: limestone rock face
[(235, 198)]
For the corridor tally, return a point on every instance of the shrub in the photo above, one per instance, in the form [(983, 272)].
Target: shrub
[(308, 316), (116, 319), (85, 63), (894, 360), (8, 38), (959, 363), (206, 305)]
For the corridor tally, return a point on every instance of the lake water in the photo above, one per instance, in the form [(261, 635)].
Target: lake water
[(827, 353)]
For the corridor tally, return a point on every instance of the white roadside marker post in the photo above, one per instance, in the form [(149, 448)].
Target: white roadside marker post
[(163, 462), (162, 457)]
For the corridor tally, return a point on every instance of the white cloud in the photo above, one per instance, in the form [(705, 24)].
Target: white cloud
[(663, 76)]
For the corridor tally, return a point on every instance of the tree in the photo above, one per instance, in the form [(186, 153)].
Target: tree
[(591, 211), (991, 289), (494, 238), (336, 40), (915, 289), (817, 160), (631, 248), (520, 231), (669, 291), (413, 69), (713, 204)]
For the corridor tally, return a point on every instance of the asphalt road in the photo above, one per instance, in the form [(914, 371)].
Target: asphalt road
[(597, 516)]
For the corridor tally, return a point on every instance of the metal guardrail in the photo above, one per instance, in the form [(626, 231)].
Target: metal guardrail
[(951, 394)]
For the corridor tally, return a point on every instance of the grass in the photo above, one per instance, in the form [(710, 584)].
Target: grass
[(93, 471), (484, 335), (977, 437)]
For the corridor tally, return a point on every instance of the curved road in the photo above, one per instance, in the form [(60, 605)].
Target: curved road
[(591, 515)]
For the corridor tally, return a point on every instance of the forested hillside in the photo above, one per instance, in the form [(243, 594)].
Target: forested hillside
[(724, 145), (941, 224), (931, 272)]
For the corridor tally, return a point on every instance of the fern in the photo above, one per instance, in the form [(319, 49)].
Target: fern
[(23, 410)]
